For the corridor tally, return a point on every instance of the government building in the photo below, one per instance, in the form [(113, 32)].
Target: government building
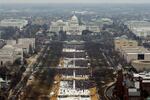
[(19, 23), (71, 27)]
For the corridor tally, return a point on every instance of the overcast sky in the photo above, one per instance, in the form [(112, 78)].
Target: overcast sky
[(74, 1)]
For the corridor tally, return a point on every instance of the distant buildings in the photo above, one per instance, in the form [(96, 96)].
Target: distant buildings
[(139, 28), (72, 27), (14, 49), (39, 21), (24, 43), (144, 80), (135, 53), (19, 23), (138, 56), (8, 54), (100, 22), (132, 86), (93, 28), (123, 41), (106, 21)]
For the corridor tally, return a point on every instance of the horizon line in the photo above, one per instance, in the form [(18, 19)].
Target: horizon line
[(72, 3)]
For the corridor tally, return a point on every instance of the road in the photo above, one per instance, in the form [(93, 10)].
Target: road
[(109, 92), (13, 95)]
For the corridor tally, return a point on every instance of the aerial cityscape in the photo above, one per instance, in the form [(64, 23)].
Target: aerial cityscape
[(74, 50)]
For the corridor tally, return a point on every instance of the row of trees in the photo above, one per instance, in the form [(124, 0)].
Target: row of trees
[(101, 73), (44, 78), (53, 55), (9, 32)]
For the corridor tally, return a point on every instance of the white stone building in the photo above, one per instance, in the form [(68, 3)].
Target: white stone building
[(93, 28), (139, 28), (141, 65), (135, 53), (71, 26), (23, 43), (19, 23), (123, 41), (8, 54)]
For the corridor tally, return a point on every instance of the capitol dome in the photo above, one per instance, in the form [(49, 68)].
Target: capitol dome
[(74, 18), (74, 21)]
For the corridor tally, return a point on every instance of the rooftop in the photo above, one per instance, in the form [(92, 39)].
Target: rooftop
[(144, 75), (134, 92), (138, 49)]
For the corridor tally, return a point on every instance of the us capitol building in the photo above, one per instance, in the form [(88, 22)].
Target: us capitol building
[(72, 27)]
